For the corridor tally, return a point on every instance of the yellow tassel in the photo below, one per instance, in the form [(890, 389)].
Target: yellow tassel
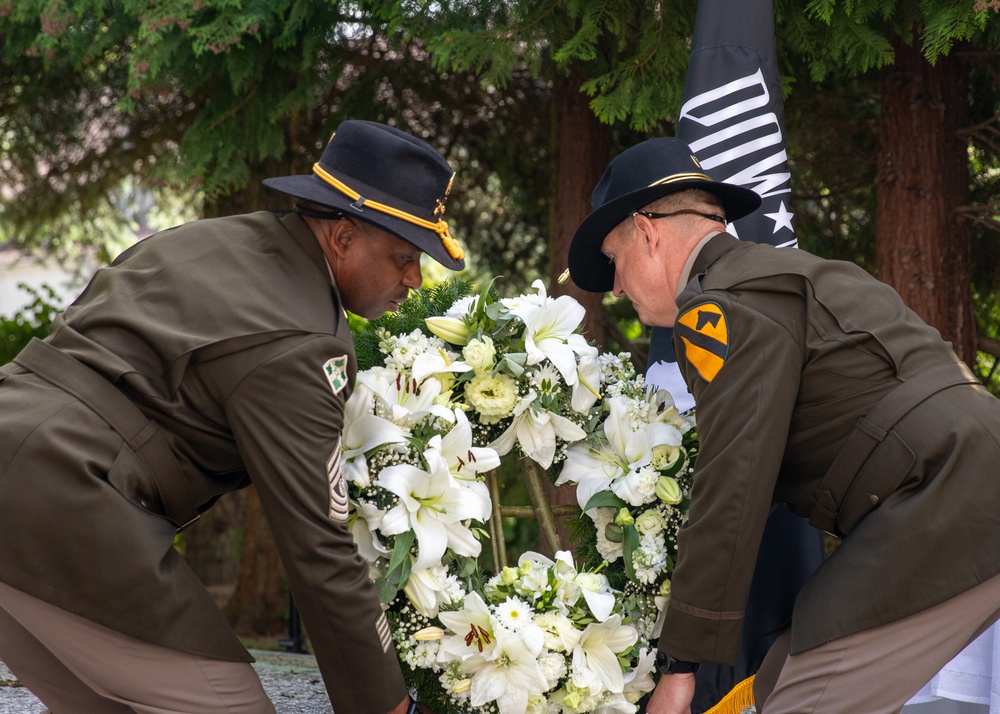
[(738, 700)]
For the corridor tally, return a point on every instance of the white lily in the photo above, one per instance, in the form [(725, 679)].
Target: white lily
[(587, 389), (364, 431), (616, 463), (508, 678), (437, 362), (550, 333), (596, 655), (536, 431), (592, 468), (406, 399), (434, 506), (473, 627), (467, 462), (425, 590), (638, 682), (364, 521)]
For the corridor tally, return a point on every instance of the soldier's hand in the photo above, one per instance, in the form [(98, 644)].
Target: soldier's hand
[(673, 695)]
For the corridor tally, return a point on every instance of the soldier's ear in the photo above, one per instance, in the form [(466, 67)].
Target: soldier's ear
[(343, 234)]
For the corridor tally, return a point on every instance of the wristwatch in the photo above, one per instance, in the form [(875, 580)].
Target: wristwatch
[(670, 665)]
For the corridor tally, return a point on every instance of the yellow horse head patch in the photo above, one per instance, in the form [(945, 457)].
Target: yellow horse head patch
[(705, 334)]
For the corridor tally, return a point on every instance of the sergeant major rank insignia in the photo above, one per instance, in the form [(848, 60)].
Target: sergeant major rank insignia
[(336, 373), (705, 334)]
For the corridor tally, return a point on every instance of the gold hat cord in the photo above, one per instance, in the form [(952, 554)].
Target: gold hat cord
[(441, 227)]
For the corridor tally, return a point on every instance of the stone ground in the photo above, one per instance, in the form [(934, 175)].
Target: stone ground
[(291, 680)]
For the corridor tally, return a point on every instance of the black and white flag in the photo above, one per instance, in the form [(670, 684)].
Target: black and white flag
[(733, 119)]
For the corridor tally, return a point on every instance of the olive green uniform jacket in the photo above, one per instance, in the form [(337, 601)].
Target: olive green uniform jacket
[(817, 389), (206, 357)]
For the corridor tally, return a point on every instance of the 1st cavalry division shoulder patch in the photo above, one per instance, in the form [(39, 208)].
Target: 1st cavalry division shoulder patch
[(705, 334)]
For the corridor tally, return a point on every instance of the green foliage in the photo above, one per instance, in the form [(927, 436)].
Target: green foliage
[(432, 300), (859, 34), (633, 54), (34, 320)]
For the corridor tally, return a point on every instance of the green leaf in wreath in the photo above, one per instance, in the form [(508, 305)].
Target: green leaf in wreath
[(604, 498), (386, 589), (400, 551)]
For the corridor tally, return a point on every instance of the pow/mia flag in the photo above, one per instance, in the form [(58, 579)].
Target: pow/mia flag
[(733, 119)]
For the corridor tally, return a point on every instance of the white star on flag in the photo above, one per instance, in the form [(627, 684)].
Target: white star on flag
[(782, 219)]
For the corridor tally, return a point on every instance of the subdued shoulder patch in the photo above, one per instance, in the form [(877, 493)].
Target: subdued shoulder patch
[(705, 334), (336, 373)]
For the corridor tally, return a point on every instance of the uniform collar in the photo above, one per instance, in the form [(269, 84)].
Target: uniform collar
[(712, 250), (306, 240), (689, 263), (704, 255)]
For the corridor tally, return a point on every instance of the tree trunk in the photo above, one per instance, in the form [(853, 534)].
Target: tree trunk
[(582, 146), (923, 247), (259, 606)]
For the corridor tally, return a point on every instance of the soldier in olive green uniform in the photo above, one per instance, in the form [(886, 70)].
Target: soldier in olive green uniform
[(817, 390), (205, 358)]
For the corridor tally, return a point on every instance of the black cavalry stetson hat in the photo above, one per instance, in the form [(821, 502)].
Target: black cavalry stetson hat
[(386, 177), (633, 179)]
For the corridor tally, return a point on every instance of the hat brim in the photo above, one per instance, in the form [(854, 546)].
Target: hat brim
[(592, 271), (312, 189)]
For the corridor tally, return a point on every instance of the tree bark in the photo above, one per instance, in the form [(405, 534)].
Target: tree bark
[(923, 246), (582, 147)]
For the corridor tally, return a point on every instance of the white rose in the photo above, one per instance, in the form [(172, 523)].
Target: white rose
[(650, 522), (480, 354)]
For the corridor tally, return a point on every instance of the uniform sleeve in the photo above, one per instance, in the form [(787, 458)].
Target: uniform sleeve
[(744, 370), (287, 416)]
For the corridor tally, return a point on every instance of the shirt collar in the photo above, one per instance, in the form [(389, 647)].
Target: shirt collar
[(689, 263)]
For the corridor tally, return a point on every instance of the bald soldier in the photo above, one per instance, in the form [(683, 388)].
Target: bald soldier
[(819, 391), (205, 358)]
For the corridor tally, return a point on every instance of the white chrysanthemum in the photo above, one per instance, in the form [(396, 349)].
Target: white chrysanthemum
[(514, 614), (453, 588), (553, 667), (493, 396), (461, 308), (546, 379)]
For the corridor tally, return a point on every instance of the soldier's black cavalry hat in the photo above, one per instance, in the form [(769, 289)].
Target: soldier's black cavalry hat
[(633, 179), (386, 177)]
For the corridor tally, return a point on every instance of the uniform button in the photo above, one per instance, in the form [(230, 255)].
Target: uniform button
[(873, 499), (144, 503)]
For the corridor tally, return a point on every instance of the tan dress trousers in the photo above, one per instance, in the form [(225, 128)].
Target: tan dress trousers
[(75, 666), (875, 671)]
